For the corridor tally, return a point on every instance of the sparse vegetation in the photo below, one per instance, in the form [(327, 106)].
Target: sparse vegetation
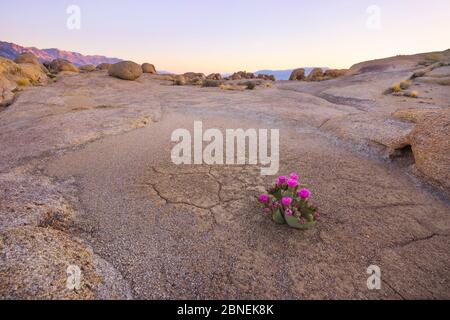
[(23, 82), (251, 85), (232, 87), (411, 94), (396, 88), (212, 83)]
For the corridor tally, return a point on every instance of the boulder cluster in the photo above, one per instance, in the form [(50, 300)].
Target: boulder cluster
[(129, 70), (317, 74), (244, 75), (25, 71)]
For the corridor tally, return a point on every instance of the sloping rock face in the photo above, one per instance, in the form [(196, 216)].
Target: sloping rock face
[(37, 248), (34, 264), (125, 70), (430, 143), (61, 65), (148, 68), (297, 74), (13, 76)]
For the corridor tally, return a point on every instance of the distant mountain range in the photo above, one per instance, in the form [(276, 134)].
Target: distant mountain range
[(285, 74), (12, 50)]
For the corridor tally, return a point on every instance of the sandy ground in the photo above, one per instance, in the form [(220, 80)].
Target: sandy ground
[(197, 231)]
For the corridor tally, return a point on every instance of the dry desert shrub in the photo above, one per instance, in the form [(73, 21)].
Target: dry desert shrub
[(23, 82), (396, 88), (232, 87), (212, 83), (251, 86), (411, 94)]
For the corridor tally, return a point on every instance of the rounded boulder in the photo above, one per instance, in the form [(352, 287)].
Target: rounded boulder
[(148, 68), (125, 70)]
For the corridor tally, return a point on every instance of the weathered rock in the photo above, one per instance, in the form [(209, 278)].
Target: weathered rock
[(88, 68), (214, 76), (334, 73), (267, 77), (315, 75), (27, 58), (125, 70), (297, 74), (61, 65), (103, 66), (193, 76), (34, 264), (180, 80), (242, 75), (148, 68), (430, 143), (14, 76)]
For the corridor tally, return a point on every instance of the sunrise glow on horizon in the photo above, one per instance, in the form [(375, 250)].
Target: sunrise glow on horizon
[(212, 36)]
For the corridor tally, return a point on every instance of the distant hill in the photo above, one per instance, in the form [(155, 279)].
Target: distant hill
[(12, 50), (284, 74)]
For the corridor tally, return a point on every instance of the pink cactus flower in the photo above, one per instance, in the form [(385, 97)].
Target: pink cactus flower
[(286, 201), (294, 176), (282, 180), (264, 198), (304, 194), (289, 212), (293, 183), (266, 211)]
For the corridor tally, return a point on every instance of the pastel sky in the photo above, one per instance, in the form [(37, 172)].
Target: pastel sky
[(226, 36)]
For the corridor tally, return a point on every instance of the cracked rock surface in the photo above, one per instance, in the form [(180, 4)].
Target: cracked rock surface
[(86, 178)]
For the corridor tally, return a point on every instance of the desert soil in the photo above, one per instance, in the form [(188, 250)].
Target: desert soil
[(96, 150)]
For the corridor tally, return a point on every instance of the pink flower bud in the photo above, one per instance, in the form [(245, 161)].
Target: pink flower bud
[(292, 183), (286, 201), (264, 198), (304, 193), (294, 176), (282, 180)]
